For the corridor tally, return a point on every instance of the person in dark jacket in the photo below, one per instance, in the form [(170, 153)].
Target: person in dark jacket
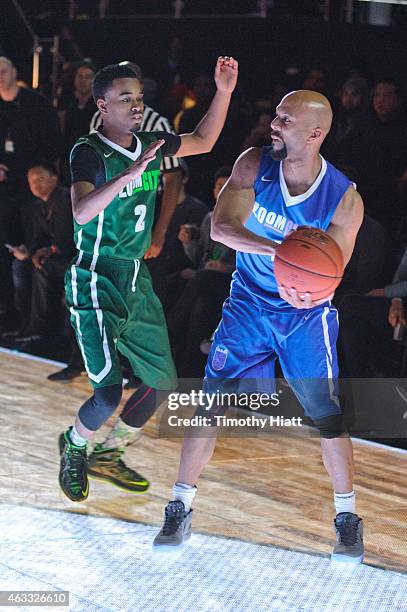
[(39, 266)]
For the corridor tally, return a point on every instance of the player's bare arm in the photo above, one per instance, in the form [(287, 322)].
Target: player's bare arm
[(346, 222), (344, 228), (206, 133), (88, 202), (234, 205)]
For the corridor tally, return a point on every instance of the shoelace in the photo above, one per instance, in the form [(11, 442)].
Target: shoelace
[(75, 467), (173, 519), (348, 532)]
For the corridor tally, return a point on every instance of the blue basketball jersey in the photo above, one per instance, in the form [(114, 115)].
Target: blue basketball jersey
[(276, 214)]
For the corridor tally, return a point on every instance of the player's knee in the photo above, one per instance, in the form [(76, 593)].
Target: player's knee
[(332, 426), (98, 408)]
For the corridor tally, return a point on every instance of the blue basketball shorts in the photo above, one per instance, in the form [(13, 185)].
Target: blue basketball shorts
[(249, 339)]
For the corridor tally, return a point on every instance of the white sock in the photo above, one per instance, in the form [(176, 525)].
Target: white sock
[(76, 438), (345, 502), (185, 493), (121, 435)]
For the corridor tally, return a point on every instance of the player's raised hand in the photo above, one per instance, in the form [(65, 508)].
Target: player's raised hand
[(137, 169), (226, 71)]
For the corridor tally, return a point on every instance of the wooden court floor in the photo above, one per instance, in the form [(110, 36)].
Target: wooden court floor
[(270, 489)]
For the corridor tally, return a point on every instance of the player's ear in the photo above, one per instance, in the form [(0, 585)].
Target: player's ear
[(315, 135), (101, 104)]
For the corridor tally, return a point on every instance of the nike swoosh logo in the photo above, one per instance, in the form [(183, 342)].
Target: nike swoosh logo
[(266, 180), (108, 154)]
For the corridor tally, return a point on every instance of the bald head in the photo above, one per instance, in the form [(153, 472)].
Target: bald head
[(311, 107), (8, 76)]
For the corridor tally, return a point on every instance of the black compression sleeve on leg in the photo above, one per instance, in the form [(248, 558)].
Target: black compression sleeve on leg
[(332, 426), (98, 408), (140, 406)]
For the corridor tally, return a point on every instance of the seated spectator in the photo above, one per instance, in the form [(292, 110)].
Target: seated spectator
[(39, 267), (166, 268), (28, 130), (198, 309), (369, 325)]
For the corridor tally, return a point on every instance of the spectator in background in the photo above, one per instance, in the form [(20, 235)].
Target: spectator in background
[(238, 124), (316, 80), (371, 322), (77, 115), (380, 154), (260, 134), (39, 266), (198, 309), (166, 269), (348, 120), (28, 130)]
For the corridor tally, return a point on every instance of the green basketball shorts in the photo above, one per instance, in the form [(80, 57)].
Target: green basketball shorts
[(114, 309)]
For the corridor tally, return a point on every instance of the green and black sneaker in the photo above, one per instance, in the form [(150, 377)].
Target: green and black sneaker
[(106, 464), (73, 479)]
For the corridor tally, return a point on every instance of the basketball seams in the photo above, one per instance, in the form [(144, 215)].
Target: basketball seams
[(305, 270), (319, 249)]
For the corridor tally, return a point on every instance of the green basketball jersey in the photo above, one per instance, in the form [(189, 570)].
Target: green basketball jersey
[(123, 229)]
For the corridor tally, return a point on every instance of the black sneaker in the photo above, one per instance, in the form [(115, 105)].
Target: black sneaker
[(65, 375), (177, 527), (106, 464), (73, 479), (349, 538)]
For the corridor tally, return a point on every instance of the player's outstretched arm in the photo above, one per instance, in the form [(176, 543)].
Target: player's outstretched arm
[(234, 205), (346, 222), (206, 133), (88, 202)]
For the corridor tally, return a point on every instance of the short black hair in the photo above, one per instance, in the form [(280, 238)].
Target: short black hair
[(389, 80), (105, 77), (43, 163)]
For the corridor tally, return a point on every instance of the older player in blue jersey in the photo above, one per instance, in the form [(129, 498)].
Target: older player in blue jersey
[(273, 190)]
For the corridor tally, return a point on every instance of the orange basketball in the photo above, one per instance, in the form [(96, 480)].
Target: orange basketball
[(310, 261)]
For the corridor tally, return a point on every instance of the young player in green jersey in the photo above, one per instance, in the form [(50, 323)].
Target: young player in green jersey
[(108, 288)]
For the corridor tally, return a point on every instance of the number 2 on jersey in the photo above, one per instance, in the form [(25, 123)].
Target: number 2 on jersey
[(140, 210)]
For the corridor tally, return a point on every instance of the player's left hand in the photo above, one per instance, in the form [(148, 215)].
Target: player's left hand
[(157, 243), (300, 300), (226, 72)]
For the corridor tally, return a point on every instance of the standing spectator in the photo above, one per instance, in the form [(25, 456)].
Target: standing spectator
[(198, 309), (76, 117), (380, 154), (166, 269), (28, 130), (238, 124), (348, 121), (41, 263)]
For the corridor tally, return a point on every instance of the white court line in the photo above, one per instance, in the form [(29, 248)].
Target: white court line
[(379, 445), (32, 357)]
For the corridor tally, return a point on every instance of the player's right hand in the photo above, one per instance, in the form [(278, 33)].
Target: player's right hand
[(136, 170), (300, 300)]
